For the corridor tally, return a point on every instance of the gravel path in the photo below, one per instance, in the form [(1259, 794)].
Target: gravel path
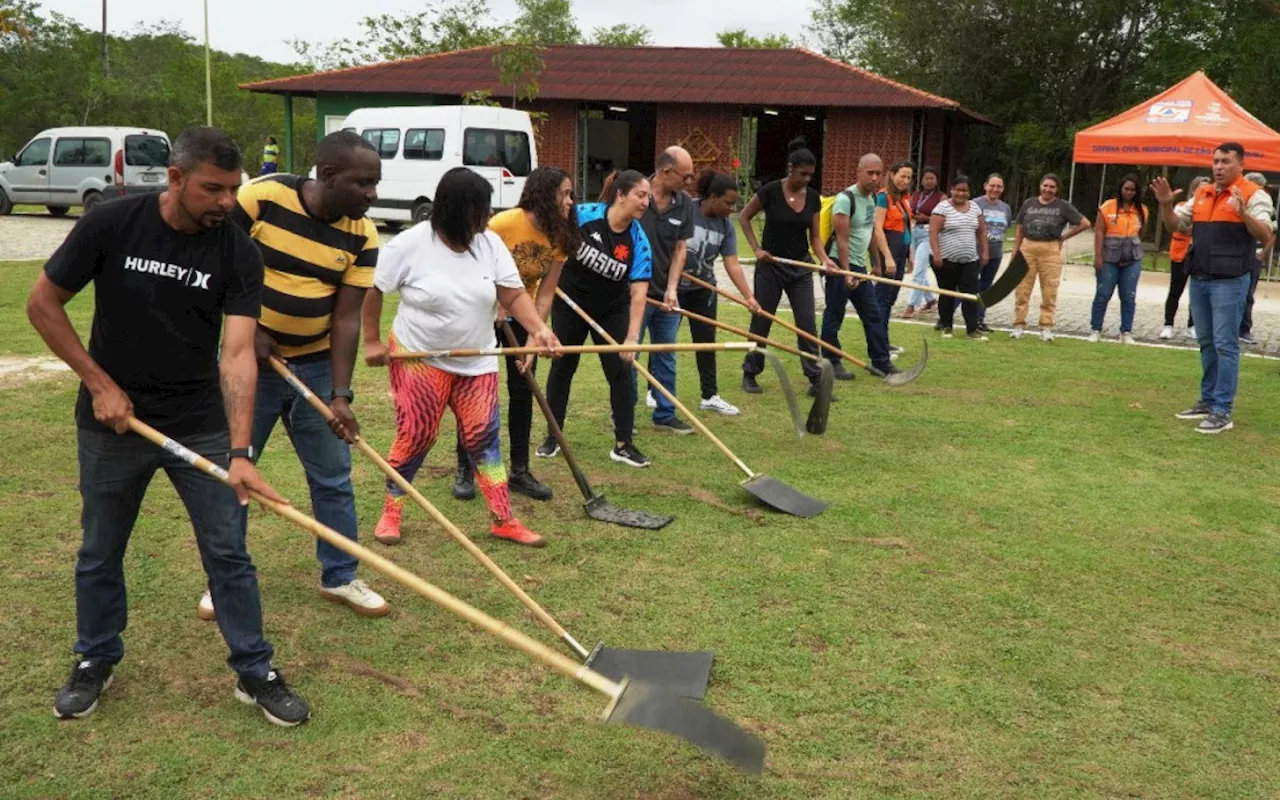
[(30, 237)]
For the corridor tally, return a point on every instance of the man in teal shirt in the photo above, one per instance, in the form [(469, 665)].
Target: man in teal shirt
[(853, 220)]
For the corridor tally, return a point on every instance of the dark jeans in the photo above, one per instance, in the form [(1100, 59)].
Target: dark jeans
[(987, 275), (958, 276), (703, 301), (1218, 305), (614, 315), (1109, 277), (1177, 284), (519, 405), (1246, 321), (325, 458), (115, 471), (867, 303), (770, 284)]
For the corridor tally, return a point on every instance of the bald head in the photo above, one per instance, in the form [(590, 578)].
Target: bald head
[(674, 168), (870, 173)]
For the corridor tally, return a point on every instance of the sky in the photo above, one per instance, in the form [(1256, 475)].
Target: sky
[(263, 28)]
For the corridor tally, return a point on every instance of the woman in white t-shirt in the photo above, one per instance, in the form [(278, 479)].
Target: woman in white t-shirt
[(451, 274), (958, 244)]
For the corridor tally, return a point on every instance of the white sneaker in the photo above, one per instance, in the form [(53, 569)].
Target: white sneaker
[(895, 350), (359, 597), (649, 401), (1017, 332), (1046, 335), (205, 608), (1166, 332), (1095, 336), (1191, 332), (719, 405), (1127, 338)]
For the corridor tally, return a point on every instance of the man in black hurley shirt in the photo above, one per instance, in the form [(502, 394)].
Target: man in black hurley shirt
[(166, 271)]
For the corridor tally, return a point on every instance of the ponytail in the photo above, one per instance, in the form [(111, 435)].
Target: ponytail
[(619, 183)]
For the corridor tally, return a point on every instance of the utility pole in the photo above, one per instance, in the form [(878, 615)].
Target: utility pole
[(105, 66), (209, 80)]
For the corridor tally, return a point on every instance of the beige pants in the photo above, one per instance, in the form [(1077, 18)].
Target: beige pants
[(1044, 260)]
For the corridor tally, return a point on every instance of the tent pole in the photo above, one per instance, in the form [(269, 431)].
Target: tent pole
[(1102, 185), (1071, 186)]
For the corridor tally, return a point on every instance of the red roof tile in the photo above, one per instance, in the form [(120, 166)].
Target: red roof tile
[(715, 75)]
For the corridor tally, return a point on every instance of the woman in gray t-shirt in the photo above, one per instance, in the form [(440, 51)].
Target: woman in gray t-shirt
[(1039, 238)]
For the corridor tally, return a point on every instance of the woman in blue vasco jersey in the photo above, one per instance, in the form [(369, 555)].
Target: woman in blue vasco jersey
[(609, 278)]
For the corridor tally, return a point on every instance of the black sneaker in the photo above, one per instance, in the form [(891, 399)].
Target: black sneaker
[(549, 448), (674, 425), (749, 384), (984, 328), (281, 705), (522, 482), (464, 484), (1215, 423), (892, 369), (629, 455), (1198, 411), (840, 373), (78, 697)]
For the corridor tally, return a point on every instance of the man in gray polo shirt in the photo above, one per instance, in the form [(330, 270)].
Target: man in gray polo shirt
[(668, 222)]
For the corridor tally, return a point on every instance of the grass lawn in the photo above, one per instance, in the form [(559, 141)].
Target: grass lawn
[(1033, 582)]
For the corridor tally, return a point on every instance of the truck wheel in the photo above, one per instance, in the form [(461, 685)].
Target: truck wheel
[(57, 211), (6, 205), (421, 211)]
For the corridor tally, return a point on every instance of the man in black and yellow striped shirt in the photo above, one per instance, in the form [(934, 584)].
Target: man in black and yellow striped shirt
[(320, 251)]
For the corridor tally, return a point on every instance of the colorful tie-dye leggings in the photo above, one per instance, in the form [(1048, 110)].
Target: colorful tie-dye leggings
[(421, 393)]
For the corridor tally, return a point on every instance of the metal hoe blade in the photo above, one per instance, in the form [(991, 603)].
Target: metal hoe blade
[(788, 391), (657, 709), (1007, 282), (601, 510), (684, 673), (817, 423), (909, 375), (776, 494)]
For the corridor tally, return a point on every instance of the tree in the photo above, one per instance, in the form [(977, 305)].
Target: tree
[(440, 28), (545, 22), (519, 65), (622, 35), (740, 38)]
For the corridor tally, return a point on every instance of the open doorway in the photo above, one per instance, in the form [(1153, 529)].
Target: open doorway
[(775, 128), (614, 136)]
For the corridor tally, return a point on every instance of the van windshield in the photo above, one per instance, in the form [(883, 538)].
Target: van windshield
[(145, 150)]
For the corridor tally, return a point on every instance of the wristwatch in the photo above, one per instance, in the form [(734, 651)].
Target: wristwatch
[(345, 394), (241, 452)]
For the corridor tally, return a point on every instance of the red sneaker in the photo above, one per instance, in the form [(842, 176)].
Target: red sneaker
[(388, 530), (514, 530)]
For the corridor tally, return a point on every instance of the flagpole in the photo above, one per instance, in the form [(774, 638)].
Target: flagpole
[(208, 76)]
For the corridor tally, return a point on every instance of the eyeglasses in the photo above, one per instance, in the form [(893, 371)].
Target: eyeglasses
[(684, 176)]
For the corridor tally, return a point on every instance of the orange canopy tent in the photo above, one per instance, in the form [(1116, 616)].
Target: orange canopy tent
[(1180, 127)]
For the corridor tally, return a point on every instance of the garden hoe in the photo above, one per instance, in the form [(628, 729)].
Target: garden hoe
[(684, 673), (630, 702), (1008, 281), (768, 490), (817, 421), (894, 379)]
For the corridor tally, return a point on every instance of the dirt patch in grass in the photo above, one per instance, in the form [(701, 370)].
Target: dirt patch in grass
[(19, 370)]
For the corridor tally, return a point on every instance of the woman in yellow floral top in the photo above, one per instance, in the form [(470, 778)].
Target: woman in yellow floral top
[(539, 232)]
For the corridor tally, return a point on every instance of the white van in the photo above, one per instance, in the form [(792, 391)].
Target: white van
[(65, 167), (419, 144)]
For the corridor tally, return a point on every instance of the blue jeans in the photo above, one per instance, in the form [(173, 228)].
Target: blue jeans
[(1126, 277), (325, 458), (662, 327), (920, 255), (986, 277), (115, 471), (1217, 306), (867, 304)]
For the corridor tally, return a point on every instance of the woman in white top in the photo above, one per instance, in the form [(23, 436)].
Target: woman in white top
[(958, 244), (451, 274)]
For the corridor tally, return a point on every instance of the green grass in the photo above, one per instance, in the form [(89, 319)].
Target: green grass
[(1033, 582)]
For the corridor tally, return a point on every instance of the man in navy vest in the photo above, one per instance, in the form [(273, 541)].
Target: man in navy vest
[(1225, 218)]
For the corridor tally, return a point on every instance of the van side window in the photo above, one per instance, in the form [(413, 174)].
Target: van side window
[(386, 140), (484, 147), (424, 144), (82, 153), (36, 154)]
